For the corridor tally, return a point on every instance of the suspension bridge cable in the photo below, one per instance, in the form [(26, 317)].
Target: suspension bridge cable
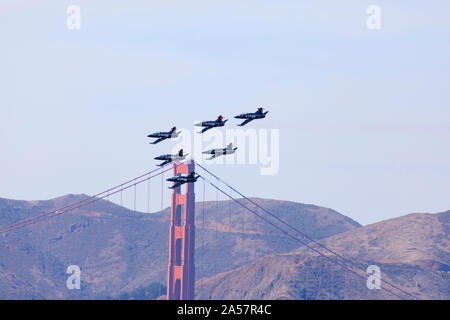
[(92, 262), (107, 234), (294, 237), (349, 260), (80, 201), (134, 252), (58, 212), (121, 239), (149, 238)]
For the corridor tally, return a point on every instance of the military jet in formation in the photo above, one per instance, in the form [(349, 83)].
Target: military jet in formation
[(207, 125), (219, 122), (220, 152), (164, 135), (259, 114), (180, 180), (167, 158)]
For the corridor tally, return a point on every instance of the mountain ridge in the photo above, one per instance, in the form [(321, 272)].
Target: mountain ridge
[(119, 248), (412, 251)]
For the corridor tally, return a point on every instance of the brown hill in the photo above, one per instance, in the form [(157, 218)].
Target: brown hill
[(412, 252), (119, 250)]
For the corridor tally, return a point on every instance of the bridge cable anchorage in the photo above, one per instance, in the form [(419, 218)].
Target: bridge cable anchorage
[(81, 201), (348, 260), (58, 212), (341, 263)]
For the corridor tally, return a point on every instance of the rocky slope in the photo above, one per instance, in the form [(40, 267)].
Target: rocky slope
[(413, 253)]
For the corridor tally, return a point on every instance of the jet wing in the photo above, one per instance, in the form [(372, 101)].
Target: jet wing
[(164, 163), (176, 185), (245, 122), (206, 129), (158, 140)]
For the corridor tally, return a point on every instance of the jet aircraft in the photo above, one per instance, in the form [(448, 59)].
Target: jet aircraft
[(220, 152), (259, 114), (164, 135), (167, 158), (180, 180), (219, 122)]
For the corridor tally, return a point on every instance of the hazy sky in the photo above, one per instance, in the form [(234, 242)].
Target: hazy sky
[(363, 115)]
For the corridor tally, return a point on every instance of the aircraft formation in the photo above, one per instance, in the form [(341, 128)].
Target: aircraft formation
[(214, 153)]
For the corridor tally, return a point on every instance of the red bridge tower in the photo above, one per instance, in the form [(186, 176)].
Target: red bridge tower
[(181, 273)]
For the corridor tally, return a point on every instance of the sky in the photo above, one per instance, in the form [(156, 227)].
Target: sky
[(363, 115)]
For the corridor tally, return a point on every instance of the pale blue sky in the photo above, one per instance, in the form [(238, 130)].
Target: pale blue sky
[(364, 115)]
